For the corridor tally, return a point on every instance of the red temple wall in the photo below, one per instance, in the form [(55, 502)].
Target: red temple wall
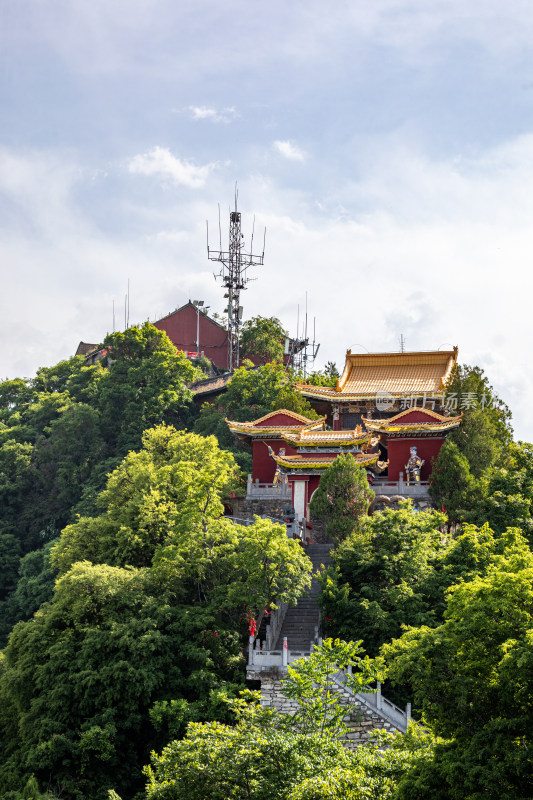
[(416, 415), (263, 466), (398, 454), (278, 419)]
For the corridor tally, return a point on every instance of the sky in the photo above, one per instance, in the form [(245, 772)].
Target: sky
[(386, 146)]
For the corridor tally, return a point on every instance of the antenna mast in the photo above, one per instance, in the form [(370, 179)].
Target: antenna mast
[(234, 264), (302, 353)]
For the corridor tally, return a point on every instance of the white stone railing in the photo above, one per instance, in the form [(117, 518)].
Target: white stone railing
[(260, 658), (268, 491), (374, 699), (273, 628), (384, 486)]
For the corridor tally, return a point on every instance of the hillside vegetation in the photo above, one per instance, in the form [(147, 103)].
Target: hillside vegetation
[(127, 598)]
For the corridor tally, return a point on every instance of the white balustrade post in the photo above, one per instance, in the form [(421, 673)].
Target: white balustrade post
[(379, 703), (350, 670), (400, 482), (250, 651), (408, 712), (249, 485), (285, 652)]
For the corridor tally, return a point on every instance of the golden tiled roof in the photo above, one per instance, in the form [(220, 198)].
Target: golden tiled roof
[(397, 424), (366, 374), (254, 429), (303, 462), (307, 437), (298, 418)]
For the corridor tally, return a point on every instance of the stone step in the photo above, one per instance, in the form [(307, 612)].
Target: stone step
[(301, 620)]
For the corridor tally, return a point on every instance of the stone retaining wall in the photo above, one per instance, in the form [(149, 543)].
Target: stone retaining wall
[(262, 508), (360, 719)]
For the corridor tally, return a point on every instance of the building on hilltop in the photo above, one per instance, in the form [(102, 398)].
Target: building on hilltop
[(191, 330), (266, 436), (382, 384), (388, 410), (290, 453)]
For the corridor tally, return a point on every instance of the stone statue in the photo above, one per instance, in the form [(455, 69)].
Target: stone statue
[(413, 467)]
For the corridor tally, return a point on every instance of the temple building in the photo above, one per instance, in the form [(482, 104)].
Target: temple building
[(382, 384), (419, 428), (294, 451), (266, 438), (387, 410)]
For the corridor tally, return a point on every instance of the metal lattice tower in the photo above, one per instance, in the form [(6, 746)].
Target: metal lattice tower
[(234, 264)]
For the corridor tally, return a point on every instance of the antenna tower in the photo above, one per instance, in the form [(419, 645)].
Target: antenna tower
[(234, 263), (302, 352)]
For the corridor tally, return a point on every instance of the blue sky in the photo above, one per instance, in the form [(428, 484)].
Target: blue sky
[(387, 145)]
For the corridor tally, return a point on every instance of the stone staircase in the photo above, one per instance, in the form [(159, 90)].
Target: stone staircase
[(301, 620), (364, 711)]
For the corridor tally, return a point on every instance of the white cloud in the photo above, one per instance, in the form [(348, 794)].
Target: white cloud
[(289, 150), (212, 114), (162, 163), (436, 249)]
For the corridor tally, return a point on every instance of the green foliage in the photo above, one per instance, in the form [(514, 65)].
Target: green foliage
[(232, 567), (452, 485), (62, 432), (472, 676), (378, 579), (265, 757), (264, 338), (81, 676), (252, 393), (485, 431), (174, 483), (139, 642), (507, 492), (325, 377), (311, 683), (145, 385), (34, 587), (342, 498)]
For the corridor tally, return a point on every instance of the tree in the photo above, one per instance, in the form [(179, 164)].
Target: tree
[(263, 338), (343, 497), (252, 393), (145, 385), (79, 679), (472, 677), (485, 431), (174, 483), (326, 377), (121, 657), (231, 567), (311, 682), (271, 756), (35, 584), (378, 581), (451, 485)]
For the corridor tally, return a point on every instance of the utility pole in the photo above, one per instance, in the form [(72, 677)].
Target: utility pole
[(198, 304), (234, 263)]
